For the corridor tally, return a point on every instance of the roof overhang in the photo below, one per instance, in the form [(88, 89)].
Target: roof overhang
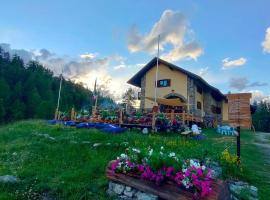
[(136, 79)]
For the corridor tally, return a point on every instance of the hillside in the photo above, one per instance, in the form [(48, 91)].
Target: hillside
[(69, 163), (30, 91)]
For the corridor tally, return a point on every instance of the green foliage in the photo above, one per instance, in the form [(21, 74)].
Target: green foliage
[(261, 117), (31, 91)]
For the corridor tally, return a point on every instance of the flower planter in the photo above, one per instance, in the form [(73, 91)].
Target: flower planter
[(167, 190)]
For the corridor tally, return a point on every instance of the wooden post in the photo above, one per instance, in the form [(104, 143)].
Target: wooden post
[(121, 117), (172, 115), (72, 114), (183, 114), (153, 121), (56, 114), (238, 143)]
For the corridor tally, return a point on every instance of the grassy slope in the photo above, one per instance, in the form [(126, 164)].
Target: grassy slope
[(71, 170)]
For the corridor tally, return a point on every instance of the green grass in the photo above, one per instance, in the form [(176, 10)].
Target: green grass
[(69, 169)]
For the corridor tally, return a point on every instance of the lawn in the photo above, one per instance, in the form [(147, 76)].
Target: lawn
[(67, 166)]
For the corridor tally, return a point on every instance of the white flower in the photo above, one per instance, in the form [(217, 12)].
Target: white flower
[(203, 167), (136, 150), (150, 152), (184, 170), (123, 156), (172, 154), (162, 148), (161, 153)]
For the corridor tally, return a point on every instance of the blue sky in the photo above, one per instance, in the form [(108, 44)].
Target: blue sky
[(116, 39)]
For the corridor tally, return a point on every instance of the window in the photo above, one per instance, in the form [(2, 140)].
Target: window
[(199, 89), (215, 109), (199, 105), (164, 83)]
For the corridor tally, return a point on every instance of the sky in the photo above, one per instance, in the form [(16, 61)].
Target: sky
[(227, 42)]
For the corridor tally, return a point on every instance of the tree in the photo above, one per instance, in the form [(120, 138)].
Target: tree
[(2, 111), (18, 110), (129, 98), (261, 117)]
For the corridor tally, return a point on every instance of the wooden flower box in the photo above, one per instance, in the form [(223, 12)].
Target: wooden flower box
[(168, 190)]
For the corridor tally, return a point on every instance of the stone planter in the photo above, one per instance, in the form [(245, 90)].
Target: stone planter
[(151, 191)]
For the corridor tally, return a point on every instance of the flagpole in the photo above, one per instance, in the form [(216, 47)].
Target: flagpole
[(96, 97), (157, 72)]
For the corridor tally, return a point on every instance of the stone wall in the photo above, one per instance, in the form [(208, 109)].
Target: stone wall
[(208, 101), (122, 192), (191, 93), (142, 104)]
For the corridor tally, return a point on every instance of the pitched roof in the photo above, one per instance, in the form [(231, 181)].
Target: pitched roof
[(136, 79)]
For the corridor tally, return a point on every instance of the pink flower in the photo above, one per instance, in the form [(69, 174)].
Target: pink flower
[(114, 165)]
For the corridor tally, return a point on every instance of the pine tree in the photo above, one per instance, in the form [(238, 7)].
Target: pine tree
[(2, 111)]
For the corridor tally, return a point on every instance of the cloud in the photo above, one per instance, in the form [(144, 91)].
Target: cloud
[(238, 83), (82, 69), (173, 28), (203, 71), (266, 42), (121, 66), (257, 84), (258, 95), (228, 64), (88, 55), (242, 83), (24, 54)]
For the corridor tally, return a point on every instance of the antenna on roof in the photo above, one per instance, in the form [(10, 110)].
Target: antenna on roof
[(156, 82)]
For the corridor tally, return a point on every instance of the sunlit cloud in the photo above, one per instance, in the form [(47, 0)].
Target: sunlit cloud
[(266, 42), (228, 63), (173, 28)]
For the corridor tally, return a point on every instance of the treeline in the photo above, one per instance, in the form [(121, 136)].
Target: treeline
[(31, 91), (261, 116)]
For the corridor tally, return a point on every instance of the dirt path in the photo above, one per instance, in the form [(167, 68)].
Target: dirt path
[(263, 141)]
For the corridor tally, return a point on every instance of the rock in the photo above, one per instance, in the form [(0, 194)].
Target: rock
[(123, 197), (144, 196), (145, 131), (253, 191), (240, 188), (216, 170), (8, 179), (129, 192), (117, 188)]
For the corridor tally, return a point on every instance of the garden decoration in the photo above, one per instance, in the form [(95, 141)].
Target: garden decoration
[(166, 175)]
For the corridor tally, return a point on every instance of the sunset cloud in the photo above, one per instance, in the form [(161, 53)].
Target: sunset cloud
[(266, 42), (174, 29), (228, 63)]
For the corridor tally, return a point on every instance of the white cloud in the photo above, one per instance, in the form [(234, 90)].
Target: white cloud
[(203, 71), (173, 28), (121, 66), (228, 64), (88, 55), (258, 95), (266, 42)]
